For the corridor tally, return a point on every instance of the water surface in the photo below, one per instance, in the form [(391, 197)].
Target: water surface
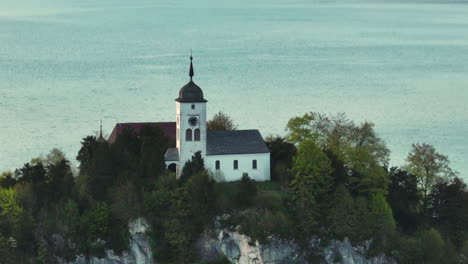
[(64, 65)]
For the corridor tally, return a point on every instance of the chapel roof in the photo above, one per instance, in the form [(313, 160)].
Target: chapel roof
[(235, 142), (172, 154), (190, 92), (168, 128)]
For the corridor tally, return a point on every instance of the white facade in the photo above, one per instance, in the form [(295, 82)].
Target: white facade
[(227, 172), (220, 160), (187, 148)]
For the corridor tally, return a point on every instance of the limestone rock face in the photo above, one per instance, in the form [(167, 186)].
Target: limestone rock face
[(343, 252), (240, 249), (139, 251)]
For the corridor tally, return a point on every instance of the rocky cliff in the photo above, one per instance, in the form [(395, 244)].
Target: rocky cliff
[(239, 248), (139, 251), (242, 250)]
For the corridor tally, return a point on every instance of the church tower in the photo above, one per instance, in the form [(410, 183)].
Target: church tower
[(191, 121)]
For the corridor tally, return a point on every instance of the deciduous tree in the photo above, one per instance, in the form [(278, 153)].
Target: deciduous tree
[(221, 121), (428, 165)]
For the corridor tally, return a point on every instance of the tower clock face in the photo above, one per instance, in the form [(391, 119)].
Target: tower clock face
[(193, 121)]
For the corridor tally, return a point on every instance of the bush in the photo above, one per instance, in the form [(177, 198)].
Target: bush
[(247, 191), (260, 224)]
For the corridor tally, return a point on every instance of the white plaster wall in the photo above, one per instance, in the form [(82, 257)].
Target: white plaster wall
[(228, 173), (188, 148)]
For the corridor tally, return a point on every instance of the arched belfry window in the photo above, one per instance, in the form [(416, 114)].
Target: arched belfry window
[(217, 165), (188, 134), (197, 135)]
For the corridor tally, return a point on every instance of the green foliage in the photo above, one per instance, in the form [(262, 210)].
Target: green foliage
[(10, 211), (7, 180), (311, 180), (247, 191), (86, 152), (153, 146), (95, 220), (7, 250), (427, 246), (192, 167), (311, 170), (178, 214), (334, 185), (405, 200), (259, 224), (449, 210), (125, 201), (342, 217), (381, 221), (428, 166), (221, 121), (281, 157), (301, 129)]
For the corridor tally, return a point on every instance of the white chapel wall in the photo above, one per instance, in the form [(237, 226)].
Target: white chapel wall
[(228, 173)]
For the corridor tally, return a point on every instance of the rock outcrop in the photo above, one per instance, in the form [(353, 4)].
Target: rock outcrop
[(139, 251), (241, 249)]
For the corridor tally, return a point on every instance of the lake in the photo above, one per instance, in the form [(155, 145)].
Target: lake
[(66, 64)]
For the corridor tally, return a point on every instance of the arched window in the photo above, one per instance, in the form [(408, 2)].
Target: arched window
[(254, 164), (197, 135), (188, 134), (217, 165), (236, 164)]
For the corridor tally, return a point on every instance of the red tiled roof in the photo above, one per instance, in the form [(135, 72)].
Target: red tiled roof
[(169, 129)]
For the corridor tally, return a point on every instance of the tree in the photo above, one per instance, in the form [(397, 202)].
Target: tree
[(7, 180), (428, 165), (221, 121), (247, 191), (192, 167), (281, 157), (153, 148), (311, 169), (86, 152), (10, 210), (405, 199), (448, 205), (342, 218), (301, 128), (381, 217), (60, 179), (54, 157), (311, 174)]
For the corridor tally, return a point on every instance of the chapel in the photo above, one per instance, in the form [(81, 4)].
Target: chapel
[(227, 154)]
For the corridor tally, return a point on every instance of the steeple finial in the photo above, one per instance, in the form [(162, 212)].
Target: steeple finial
[(191, 66), (100, 132), (101, 138)]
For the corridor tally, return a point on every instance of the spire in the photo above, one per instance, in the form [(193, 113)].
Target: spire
[(191, 66), (101, 138)]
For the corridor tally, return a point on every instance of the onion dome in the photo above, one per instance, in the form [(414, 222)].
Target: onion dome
[(190, 92)]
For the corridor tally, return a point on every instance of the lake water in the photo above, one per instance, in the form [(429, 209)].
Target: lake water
[(66, 64)]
